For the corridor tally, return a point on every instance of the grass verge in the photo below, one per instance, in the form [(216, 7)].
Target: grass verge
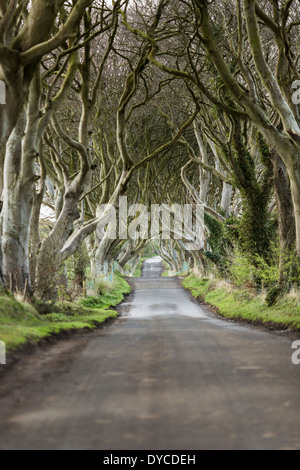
[(20, 323), (110, 294), (245, 305)]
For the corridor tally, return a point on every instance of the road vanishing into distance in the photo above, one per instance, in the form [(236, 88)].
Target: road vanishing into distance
[(167, 374)]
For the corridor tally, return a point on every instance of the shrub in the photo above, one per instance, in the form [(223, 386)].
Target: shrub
[(241, 270)]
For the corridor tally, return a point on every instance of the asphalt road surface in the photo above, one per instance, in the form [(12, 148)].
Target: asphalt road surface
[(166, 375)]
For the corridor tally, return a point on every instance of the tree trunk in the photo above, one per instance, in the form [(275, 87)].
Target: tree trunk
[(126, 254), (286, 222), (294, 174), (49, 262), (226, 199), (79, 271), (16, 214), (35, 240), (101, 255), (90, 246)]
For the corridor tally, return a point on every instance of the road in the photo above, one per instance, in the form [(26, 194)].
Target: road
[(166, 375)]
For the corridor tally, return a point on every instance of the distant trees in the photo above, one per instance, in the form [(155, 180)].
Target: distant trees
[(240, 61)]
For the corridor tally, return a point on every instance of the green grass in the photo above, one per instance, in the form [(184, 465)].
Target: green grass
[(166, 274), (21, 323), (111, 294), (245, 305)]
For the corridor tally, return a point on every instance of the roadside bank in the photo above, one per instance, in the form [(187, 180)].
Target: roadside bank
[(245, 305)]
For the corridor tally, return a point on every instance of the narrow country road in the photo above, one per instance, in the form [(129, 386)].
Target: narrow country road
[(166, 375)]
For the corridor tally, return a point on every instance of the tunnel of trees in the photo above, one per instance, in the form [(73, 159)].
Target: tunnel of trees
[(164, 102)]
